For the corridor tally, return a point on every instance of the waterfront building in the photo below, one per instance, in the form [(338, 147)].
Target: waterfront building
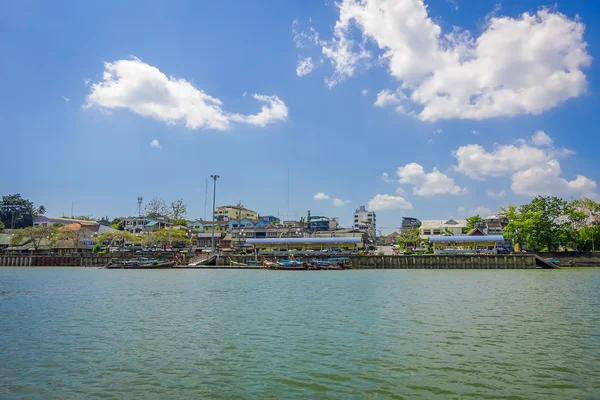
[(239, 235), (441, 227), (44, 220), (291, 224), (225, 213), (204, 239), (409, 223), (135, 225), (365, 221), (153, 225), (483, 244)]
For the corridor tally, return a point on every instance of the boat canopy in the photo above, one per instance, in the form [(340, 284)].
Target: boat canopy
[(326, 240), (457, 239)]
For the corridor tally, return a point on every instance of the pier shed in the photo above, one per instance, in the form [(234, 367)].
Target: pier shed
[(466, 244), (305, 244)]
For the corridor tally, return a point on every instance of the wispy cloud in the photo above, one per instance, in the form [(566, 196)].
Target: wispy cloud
[(321, 196), (156, 144), (66, 99), (339, 202)]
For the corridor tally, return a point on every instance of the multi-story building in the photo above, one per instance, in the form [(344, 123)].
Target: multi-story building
[(439, 227), (239, 235), (409, 223), (225, 213), (495, 224), (138, 225), (365, 221)]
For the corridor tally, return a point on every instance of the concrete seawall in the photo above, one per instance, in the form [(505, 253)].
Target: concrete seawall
[(508, 261)]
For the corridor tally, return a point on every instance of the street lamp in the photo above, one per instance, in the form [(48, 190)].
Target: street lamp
[(214, 177)]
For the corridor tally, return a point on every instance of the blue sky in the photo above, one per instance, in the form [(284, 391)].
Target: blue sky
[(493, 114)]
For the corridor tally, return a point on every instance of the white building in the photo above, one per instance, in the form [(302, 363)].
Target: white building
[(365, 221), (439, 227)]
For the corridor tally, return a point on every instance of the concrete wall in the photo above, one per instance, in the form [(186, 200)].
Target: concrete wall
[(576, 259)]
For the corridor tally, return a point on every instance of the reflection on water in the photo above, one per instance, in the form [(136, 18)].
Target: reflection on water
[(93, 333)]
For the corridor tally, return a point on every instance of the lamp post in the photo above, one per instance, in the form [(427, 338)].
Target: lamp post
[(212, 242)]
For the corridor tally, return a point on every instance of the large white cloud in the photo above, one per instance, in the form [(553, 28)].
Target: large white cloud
[(427, 184), (545, 179), (522, 65), (388, 202), (532, 164), (147, 91), (321, 196)]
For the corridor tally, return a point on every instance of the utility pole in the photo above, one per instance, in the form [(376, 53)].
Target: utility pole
[(214, 177)]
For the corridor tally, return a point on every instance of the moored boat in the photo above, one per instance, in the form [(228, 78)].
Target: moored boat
[(141, 263)]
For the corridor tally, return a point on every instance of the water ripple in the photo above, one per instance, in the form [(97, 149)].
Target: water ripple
[(92, 333)]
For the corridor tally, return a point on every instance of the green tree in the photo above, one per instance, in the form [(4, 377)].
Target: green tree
[(178, 209), (156, 208), (471, 221), (408, 237), (115, 238), (71, 235), (546, 223), (14, 208), (36, 235), (180, 222), (118, 224), (308, 220), (41, 210), (168, 236)]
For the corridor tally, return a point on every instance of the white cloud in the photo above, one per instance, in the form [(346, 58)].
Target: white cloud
[(474, 132), (66, 99), (522, 65), (483, 212), (500, 193), (320, 196), (155, 143), (399, 190), (438, 131), (339, 202), (545, 179), (541, 139), (387, 202), (461, 211), (476, 162), (86, 81), (386, 178), (244, 94), (305, 67), (430, 141), (364, 92), (147, 91), (427, 184)]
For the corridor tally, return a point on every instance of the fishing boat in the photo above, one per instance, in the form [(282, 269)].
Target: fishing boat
[(291, 265), (140, 263)]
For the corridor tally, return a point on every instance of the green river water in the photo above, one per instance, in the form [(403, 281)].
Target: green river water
[(80, 333)]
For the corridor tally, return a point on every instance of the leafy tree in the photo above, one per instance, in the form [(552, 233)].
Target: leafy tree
[(118, 224), (410, 236), (169, 236), (1, 227), (156, 208), (70, 234), (546, 223), (180, 222), (178, 209), (15, 208), (308, 220), (112, 238), (471, 221), (79, 217), (36, 234), (41, 210)]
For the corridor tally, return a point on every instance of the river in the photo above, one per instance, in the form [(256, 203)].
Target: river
[(73, 333)]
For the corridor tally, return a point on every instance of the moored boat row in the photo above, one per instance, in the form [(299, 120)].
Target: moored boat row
[(292, 264)]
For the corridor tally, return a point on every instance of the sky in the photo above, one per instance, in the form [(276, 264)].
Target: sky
[(433, 109)]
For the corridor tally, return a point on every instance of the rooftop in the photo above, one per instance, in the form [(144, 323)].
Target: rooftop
[(443, 223), (456, 239), (325, 240)]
